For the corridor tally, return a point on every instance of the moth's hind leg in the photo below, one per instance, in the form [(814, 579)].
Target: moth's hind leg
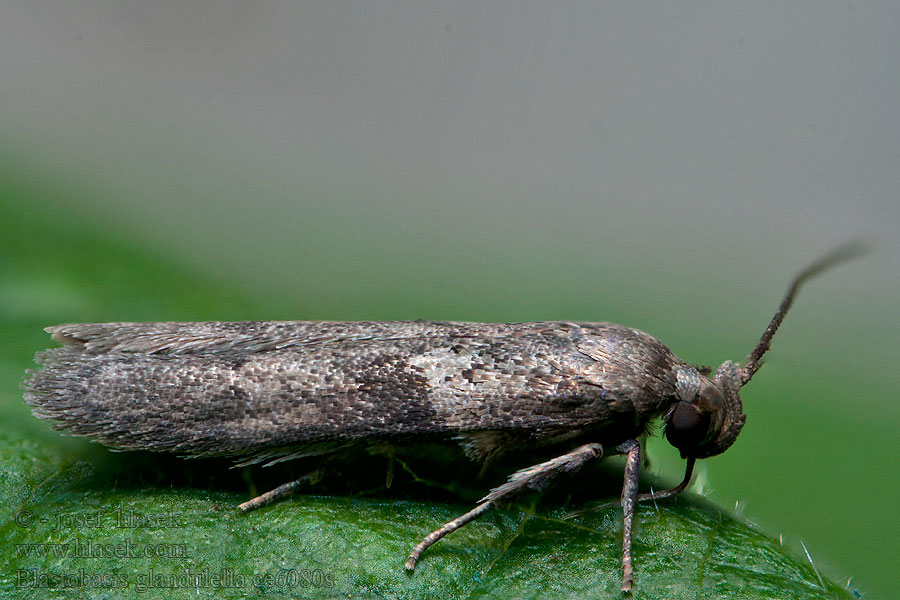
[(282, 491), (271, 456), (532, 478)]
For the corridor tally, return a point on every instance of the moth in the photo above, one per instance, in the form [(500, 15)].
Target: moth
[(275, 390)]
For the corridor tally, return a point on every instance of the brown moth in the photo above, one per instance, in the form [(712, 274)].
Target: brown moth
[(270, 391)]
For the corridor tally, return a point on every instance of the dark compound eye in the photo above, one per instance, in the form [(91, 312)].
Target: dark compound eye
[(687, 427)]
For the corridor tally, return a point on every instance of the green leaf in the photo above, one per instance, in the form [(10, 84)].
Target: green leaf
[(79, 521)]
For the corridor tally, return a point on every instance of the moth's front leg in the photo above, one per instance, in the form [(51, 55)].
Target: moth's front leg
[(532, 478), (629, 497)]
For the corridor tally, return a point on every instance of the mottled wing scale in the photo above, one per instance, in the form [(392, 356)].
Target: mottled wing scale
[(275, 390)]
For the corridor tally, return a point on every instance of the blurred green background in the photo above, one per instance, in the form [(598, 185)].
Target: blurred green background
[(669, 169)]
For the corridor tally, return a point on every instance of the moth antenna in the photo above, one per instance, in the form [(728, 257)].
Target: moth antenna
[(838, 255)]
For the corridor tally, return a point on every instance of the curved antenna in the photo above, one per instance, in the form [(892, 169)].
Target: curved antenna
[(838, 255)]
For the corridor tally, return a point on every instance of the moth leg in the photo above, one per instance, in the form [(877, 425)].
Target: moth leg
[(282, 491), (629, 497), (688, 471), (445, 529), (534, 478)]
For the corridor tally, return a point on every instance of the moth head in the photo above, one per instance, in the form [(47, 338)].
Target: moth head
[(708, 415)]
